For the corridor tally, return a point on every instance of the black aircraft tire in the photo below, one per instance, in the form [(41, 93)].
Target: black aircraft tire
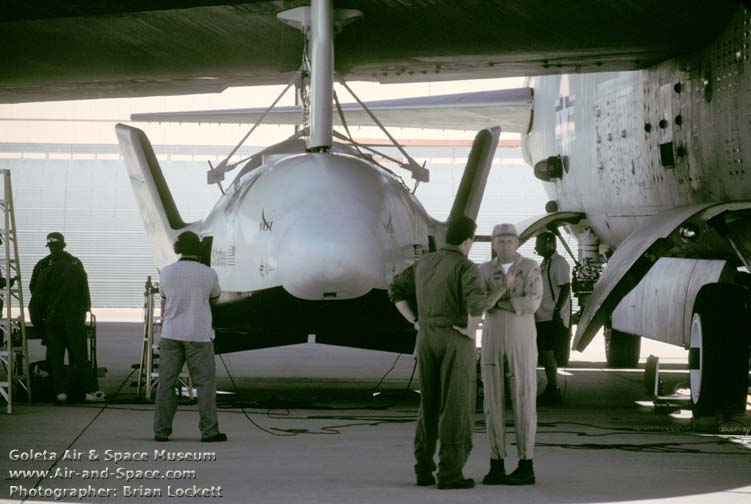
[(719, 349), (621, 349)]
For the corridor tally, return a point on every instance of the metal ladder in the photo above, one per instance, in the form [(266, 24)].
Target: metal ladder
[(152, 325), (14, 358)]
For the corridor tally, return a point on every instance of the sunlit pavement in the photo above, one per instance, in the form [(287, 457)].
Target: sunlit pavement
[(315, 428)]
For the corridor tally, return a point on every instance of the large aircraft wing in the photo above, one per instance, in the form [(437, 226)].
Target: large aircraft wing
[(659, 236), (114, 48), (509, 108), (533, 225)]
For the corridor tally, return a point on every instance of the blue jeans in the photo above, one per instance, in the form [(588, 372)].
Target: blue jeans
[(200, 358)]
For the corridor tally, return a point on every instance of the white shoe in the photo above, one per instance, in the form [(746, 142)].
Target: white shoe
[(61, 397), (97, 396)]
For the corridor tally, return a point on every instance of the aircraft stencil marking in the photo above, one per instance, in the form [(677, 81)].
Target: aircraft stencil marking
[(389, 226), (231, 256), (265, 269), (565, 118), (265, 224), (222, 257)]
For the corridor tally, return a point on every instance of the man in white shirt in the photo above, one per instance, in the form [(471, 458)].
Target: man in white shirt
[(188, 287), (553, 318)]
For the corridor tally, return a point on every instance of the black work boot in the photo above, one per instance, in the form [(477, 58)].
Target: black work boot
[(523, 475), (550, 397), (497, 473), (460, 484), (425, 479)]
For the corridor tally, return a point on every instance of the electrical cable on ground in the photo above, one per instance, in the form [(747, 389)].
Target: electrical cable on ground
[(661, 447), (375, 389), (544, 427), (103, 407), (330, 429), (242, 408)]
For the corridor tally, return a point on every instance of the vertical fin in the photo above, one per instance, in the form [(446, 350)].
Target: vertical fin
[(472, 186), (158, 209)]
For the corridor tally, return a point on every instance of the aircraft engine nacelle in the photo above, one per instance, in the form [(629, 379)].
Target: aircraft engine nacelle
[(661, 306), (696, 304)]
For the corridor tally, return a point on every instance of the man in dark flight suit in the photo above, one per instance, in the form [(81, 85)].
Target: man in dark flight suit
[(59, 302), (450, 301)]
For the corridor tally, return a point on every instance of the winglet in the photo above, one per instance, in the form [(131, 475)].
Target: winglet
[(158, 210), (472, 186)]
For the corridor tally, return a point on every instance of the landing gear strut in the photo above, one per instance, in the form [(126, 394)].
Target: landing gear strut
[(621, 349)]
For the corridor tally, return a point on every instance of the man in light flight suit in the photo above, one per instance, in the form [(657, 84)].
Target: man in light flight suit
[(509, 337)]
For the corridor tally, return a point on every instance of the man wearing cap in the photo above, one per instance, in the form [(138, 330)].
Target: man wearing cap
[(514, 289), (188, 287), (553, 318), (59, 302), (450, 302)]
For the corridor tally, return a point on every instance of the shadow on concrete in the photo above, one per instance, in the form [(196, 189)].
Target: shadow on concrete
[(319, 434)]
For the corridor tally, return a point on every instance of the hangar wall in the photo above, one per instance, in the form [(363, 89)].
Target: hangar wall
[(83, 191)]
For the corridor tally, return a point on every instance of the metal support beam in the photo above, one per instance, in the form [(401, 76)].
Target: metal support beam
[(322, 74)]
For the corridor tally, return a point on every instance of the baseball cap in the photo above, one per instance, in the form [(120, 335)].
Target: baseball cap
[(505, 229), (55, 237)]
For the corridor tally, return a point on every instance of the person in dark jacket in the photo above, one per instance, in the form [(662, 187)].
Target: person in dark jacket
[(450, 301), (59, 302)]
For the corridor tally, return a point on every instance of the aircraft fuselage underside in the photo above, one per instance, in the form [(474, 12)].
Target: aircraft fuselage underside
[(273, 317)]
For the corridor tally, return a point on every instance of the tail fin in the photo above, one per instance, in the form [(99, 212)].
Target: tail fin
[(158, 210), (472, 186)]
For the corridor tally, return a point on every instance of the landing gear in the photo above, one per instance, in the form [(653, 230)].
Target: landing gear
[(718, 356), (621, 349)]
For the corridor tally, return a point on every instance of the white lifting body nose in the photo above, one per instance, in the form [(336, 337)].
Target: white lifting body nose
[(331, 256)]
